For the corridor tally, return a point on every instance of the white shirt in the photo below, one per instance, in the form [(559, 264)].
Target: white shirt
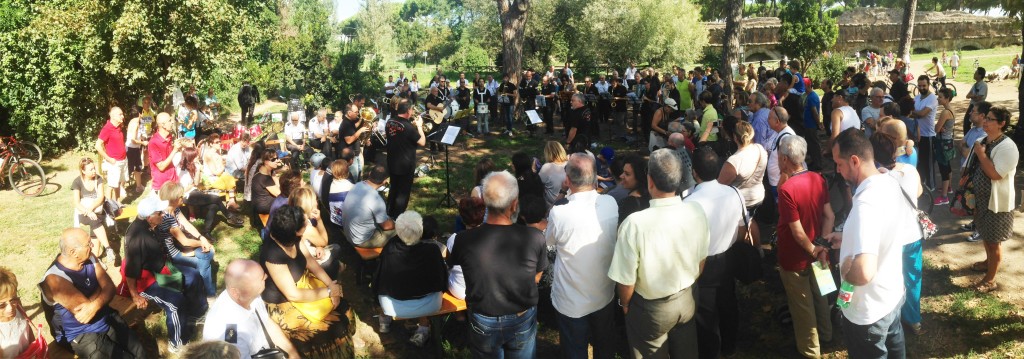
[(926, 124), (389, 88), (602, 86), (850, 118), (630, 73), (910, 182), (294, 131), (878, 209), (335, 126), (729, 211), (236, 158), (414, 86), (456, 280), (583, 233), (955, 61), (249, 337), (316, 176), (773, 156), (317, 128), (492, 87)]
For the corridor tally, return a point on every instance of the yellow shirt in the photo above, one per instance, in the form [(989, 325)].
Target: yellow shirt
[(659, 249), (709, 116)]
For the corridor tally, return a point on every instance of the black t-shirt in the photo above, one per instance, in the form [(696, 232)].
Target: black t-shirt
[(899, 90), (796, 109), (481, 96), (410, 272), (630, 205), (348, 128), (462, 97), (620, 91), (500, 264), (652, 91), (674, 95), (271, 252), (592, 90), (434, 100), (826, 107), (530, 184), (402, 144), (142, 251), (580, 119), (548, 89), (506, 88), (260, 195)]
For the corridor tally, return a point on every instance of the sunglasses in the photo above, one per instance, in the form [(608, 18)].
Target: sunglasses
[(10, 302)]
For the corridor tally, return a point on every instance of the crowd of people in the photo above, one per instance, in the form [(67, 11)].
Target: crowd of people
[(582, 230)]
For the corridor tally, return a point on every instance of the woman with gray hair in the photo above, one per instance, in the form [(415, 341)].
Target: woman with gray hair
[(411, 277)]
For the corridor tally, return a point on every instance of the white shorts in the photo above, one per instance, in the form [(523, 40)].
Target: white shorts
[(116, 173)]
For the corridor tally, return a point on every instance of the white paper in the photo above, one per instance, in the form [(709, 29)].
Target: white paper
[(276, 117), (534, 117), (826, 284), (450, 134)]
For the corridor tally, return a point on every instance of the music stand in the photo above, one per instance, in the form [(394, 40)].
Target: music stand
[(446, 135)]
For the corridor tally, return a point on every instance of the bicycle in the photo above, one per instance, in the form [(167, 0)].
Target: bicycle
[(26, 176), (936, 86), (23, 149)]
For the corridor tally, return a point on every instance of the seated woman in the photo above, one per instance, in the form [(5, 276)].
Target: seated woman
[(315, 236), (87, 198), (264, 182), (288, 181), (338, 190), (411, 277), (200, 202), (15, 329), (215, 177), (300, 296), (186, 246), (471, 210)]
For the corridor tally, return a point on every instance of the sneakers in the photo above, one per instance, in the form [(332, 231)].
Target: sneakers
[(420, 337), (941, 201), (967, 227), (974, 237), (384, 323)]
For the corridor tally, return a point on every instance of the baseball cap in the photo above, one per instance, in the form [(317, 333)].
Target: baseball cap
[(316, 159), (671, 103), (894, 71), (150, 205)]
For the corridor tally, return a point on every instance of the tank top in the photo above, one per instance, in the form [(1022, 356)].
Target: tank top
[(850, 118), (84, 280)]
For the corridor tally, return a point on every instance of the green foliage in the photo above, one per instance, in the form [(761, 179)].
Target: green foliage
[(661, 32), (806, 30), (828, 67), (710, 57), (352, 73), (468, 55)]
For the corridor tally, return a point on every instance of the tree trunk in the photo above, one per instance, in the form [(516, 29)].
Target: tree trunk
[(1020, 84), (731, 46), (907, 29), (512, 14)]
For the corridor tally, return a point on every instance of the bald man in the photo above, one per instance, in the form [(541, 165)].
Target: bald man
[(79, 290), (162, 148), (111, 147), (239, 315)]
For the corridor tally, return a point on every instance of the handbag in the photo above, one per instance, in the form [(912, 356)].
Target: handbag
[(268, 353), (38, 349), (112, 208), (744, 256), (928, 227), (314, 311)]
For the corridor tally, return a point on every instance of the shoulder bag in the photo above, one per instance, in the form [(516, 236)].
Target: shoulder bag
[(928, 227), (268, 353), (744, 255), (38, 349)]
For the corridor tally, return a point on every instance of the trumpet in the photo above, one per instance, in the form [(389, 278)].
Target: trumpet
[(386, 100)]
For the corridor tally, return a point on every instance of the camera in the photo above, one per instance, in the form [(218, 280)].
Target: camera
[(717, 123)]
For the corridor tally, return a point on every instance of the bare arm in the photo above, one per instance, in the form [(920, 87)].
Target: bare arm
[(940, 124), (861, 269), (388, 225), (282, 277), (133, 129), (727, 175), (280, 339), (625, 295), (837, 122), (103, 152)]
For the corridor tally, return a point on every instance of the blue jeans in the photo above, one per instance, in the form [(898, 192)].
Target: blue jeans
[(202, 262), (355, 170), (507, 109), (881, 339), (507, 336), (180, 307), (912, 265), (597, 328)]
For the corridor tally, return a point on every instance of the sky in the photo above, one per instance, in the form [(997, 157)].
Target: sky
[(344, 9)]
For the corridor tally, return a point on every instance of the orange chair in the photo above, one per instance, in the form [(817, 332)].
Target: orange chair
[(369, 257), (449, 305)]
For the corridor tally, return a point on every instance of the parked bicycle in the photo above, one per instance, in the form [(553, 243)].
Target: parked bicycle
[(25, 175), (936, 86), (23, 149)]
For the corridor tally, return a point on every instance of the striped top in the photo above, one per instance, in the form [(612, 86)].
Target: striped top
[(163, 232)]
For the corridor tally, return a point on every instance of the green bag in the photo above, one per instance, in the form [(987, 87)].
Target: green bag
[(170, 277)]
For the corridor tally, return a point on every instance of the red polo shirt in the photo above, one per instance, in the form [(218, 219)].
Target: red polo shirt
[(159, 149), (113, 142), (802, 197)]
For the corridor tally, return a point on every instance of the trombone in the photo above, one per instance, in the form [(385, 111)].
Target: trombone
[(370, 120)]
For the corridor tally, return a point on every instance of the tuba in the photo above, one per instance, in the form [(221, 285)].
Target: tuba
[(369, 119)]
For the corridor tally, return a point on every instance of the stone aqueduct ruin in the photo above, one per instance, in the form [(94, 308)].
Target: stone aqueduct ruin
[(878, 30)]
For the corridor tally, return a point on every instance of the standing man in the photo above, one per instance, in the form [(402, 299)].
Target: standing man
[(954, 62), (869, 115), (162, 148), (239, 316), (549, 90), (79, 290), (528, 93), (826, 106), (583, 233), (804, 214), (579, 118), (350, 131), (492, 89), (111, 146), (871, 250), (778, 119), (978, 93), (925, 105), (502, 263), (462, 97), (656, 269), (248, 96), (759, 118), (405, 135), (604, 104), (629, 74), (619, 99), (717, 319), (507, 93)]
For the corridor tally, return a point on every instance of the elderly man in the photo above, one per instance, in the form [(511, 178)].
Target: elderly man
[(150, 276), (804, 214), (502, 263), (79, 290), (162, 149), (717, 321), (656, 268), (869, 115), (366, 222), (239, 316), (351, 130), (111, 147), (294, 136), (677, 142), (405, 135), (320, 132), (758, 103), (579, 118), (583, 233), (778, 120), (238, 156), (870, 251)]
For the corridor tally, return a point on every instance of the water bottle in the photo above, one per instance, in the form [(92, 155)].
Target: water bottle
[(845, 295)]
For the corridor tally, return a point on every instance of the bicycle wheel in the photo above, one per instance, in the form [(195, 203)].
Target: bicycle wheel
[(29, 150), (27, 177), (926, 202), (913, 89), (952, 88)]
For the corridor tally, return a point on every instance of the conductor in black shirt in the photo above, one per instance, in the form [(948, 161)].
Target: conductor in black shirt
[(405, 134)]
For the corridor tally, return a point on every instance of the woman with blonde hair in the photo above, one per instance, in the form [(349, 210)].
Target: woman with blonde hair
[(87, 199), (15, 329), (186, 246), (315, 235), (552, 173), (745, 168)]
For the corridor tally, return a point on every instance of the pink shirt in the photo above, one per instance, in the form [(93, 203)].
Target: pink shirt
[(113, 142), (159, 149)]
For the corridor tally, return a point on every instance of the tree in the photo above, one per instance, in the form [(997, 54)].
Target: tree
[(512, 15), (806, 32), (647, 31), (907, 28), (731, 46)]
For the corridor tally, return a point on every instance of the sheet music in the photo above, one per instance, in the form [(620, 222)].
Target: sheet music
[(276, 117), (826, 284), (450, 135), (534, 117)]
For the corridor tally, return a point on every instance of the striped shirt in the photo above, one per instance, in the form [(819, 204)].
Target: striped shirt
[(163, 232)]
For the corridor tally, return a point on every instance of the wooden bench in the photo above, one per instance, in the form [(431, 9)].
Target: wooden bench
[(129, 213), (449, 305), (368, 256)]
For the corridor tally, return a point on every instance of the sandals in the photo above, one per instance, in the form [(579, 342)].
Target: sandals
[(986, 287), (980, 267)]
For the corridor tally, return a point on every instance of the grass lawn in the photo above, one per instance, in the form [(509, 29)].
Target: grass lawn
[(990, 59)]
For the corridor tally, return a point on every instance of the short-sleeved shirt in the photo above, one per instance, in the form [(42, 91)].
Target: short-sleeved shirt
[(248, 334), (580, 120), (583, 232), (980, 91), (710, 115), (84, 193), (294, 131), (272, 253), (500, 264), (260, 195), (364, 209), (729, 210), (348, 128), (159, 149), (795, 109), (773, 155), (113, 142), (811, 107), (802, 198), (656, 261), (926, 124), (402, 144)]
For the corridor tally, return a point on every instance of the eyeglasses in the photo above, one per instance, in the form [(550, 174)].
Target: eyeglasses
[(10, 302)]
